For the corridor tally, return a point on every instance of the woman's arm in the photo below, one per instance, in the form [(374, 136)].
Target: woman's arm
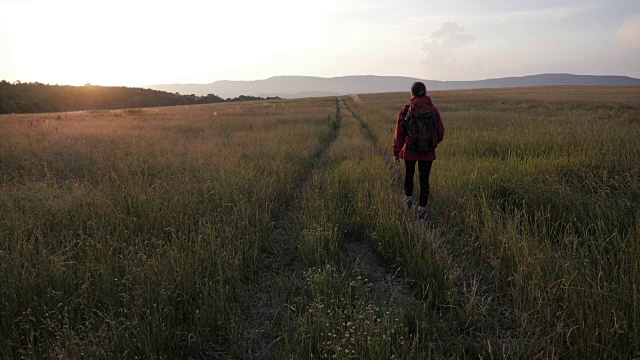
[(399, 135)]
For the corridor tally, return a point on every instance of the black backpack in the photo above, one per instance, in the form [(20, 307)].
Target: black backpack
[(421, 125)]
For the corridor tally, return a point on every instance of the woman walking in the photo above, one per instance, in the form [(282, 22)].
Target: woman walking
[(418, 131)]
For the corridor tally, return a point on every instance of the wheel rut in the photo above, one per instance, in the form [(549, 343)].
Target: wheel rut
[(277, 274), (389, 290)]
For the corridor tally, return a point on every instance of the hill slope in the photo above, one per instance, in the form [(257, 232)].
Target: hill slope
[(36, 97), (305, 86)]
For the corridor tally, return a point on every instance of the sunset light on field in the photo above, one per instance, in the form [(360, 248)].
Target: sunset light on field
[(331, 179)]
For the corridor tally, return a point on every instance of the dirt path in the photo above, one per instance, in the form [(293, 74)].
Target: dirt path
[(278, 275)]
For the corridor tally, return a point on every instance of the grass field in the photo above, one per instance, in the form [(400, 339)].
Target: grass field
[(276, 229)]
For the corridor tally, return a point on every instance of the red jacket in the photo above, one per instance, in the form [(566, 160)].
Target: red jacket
[(399, 145)]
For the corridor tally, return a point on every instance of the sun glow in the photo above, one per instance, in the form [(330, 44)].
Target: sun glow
[(133, 43), (145, 42)]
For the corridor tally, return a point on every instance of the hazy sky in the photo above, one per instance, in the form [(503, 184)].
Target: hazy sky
[(136, 43)]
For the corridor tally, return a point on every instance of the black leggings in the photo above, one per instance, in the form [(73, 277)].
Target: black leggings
[(425, 170)]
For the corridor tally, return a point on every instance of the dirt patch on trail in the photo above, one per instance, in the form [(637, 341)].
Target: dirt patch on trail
[(386, 288)]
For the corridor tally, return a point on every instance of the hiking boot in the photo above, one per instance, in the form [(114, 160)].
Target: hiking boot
[(409, 201), (422, 213)]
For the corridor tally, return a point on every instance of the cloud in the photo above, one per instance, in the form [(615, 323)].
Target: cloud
[(629, 32), (440, 52), (450, 35)]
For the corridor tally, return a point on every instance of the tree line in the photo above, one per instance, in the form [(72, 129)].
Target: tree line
[(34, 97)]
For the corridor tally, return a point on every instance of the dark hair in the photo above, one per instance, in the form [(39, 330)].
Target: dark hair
[(418, 89)]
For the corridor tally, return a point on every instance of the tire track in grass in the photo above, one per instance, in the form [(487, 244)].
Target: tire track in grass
[(276, 277), (495, 323), (350, 303), (397, 176), (389, 288)]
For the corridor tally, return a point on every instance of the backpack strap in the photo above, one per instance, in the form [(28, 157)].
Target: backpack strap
[(405, 111)]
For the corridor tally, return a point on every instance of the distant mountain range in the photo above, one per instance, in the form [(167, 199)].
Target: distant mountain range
[(310, 86)]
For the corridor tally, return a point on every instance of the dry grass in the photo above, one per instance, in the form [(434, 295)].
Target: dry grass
[(138, 233), (536, 189), (133, 232)]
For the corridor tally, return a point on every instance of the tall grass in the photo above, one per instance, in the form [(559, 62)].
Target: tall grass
[(134, 234), (138, 233), (540, 185)]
